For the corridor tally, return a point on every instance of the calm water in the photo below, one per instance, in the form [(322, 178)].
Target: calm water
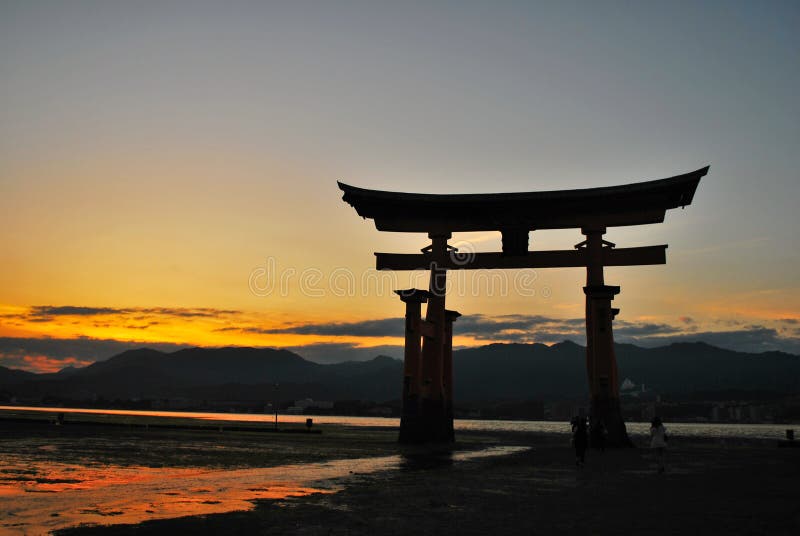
[(39, 496), (710, 430)]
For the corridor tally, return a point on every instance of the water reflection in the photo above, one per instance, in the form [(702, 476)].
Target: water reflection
[(416, 460), (39, 496), (715, 430), (422, 458)]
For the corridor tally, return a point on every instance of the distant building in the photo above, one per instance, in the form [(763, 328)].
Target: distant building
[(627, 385), (380, 411), (300, 406)]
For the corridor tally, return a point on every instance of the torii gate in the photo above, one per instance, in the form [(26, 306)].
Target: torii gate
[(428, 367)]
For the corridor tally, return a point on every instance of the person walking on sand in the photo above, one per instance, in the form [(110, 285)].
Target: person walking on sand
[(598, 434), (580, 439), (658, 441)]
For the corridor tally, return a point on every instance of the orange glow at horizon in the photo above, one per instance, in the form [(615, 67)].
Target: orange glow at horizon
[(213, 327), (196, 332), (217, 328), (236, 329)]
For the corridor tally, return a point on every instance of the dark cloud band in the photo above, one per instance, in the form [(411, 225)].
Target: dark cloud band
[(48, 312)]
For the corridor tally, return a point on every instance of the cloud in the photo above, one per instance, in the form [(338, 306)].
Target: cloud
[(497, 327), (478, 326), (46, 354), (502, 328), (385, 327), (47, 313), (548, 330), (71, 310), (755, 339), (44, 364), (204, 312), (633, 329)]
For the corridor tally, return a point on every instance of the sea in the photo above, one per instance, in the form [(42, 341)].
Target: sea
[(689, 430)]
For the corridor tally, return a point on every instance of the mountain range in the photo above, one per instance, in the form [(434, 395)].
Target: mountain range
[(493, 372)]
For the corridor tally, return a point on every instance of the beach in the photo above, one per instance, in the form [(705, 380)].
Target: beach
[(358, 480)]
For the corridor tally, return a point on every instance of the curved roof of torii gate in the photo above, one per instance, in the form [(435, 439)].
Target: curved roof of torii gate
[(630, 204)]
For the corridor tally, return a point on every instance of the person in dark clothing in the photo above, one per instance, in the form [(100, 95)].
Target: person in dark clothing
[(580, 439), (598, 435)]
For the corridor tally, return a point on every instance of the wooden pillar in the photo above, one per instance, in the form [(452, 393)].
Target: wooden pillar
[(410, 426), (447, 370), (432, 395), (601, 361)]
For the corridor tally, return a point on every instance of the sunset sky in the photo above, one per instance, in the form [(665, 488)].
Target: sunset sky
[(168, 169)]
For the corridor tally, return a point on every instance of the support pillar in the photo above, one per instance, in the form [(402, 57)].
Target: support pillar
[(601, 361), (447, 371), (432, 392), (410, 423)]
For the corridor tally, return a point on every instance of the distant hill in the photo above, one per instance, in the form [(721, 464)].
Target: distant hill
[(493, 372), (690, 367), (10, 376), (520, 370), (204, 366)]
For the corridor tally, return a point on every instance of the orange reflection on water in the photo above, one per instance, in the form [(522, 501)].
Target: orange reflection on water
[(55, 477), (38, 497)]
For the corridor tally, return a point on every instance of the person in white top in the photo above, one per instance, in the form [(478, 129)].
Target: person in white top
[(658, 441)]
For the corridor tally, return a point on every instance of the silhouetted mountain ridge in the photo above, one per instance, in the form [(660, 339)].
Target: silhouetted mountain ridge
[(495, 371), (202, 366), (10, 376)]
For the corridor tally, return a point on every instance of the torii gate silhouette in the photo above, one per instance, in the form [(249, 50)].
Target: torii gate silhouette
[(428, 361)]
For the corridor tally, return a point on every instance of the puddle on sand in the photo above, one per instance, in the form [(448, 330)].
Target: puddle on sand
[(104, 495), (37, 497)]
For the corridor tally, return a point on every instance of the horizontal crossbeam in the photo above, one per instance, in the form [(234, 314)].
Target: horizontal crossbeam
[(533, 259)]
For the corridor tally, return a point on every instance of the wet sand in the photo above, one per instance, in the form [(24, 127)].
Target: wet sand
[(711, 487)]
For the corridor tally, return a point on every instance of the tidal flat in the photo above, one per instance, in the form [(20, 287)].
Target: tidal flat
[(88, 479)]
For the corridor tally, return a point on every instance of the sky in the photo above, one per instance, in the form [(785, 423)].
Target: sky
[(168, 169)]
